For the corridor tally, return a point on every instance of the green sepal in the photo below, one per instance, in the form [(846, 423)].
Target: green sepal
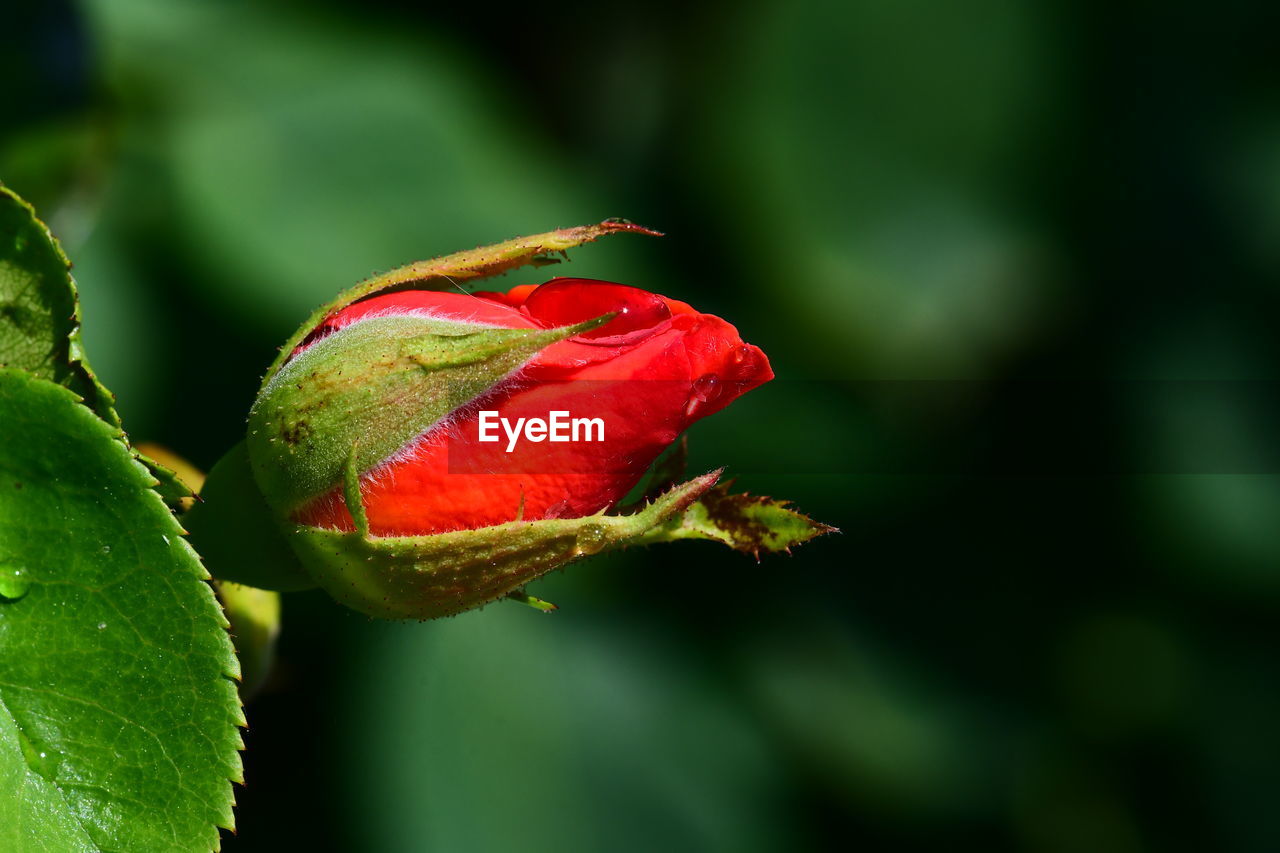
[(235, 531), (372, 388), (746, 523), (426, 577), (447, 272)]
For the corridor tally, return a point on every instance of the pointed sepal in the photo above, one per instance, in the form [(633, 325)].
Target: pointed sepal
[(450, 270), (425, 577), (746, 523)]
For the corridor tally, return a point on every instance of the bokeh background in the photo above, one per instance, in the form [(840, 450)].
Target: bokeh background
[(920, 209)]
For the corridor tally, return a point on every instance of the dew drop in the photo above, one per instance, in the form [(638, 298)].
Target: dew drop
[(591, 538), (42, 760), (102, 625), (13, 584), (707, 387), (106, 549)]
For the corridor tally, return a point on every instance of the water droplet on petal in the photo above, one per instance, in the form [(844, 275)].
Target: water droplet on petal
[(707, 387)]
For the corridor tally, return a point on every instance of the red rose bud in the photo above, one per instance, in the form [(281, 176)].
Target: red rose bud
[(384, 441), (417, 453), (632, 385)]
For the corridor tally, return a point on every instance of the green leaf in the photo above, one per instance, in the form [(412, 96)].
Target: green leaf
[(40, 320), (118, 712), (39, 314), (743, 522), (168, 484)]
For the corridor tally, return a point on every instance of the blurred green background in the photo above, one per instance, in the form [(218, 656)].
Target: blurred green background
[(1051, 659)]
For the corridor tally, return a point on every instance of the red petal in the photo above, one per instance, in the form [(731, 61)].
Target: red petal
[(668, 368)]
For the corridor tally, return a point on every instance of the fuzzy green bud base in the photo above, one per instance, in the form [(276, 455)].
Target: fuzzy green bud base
[(425, 577)]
